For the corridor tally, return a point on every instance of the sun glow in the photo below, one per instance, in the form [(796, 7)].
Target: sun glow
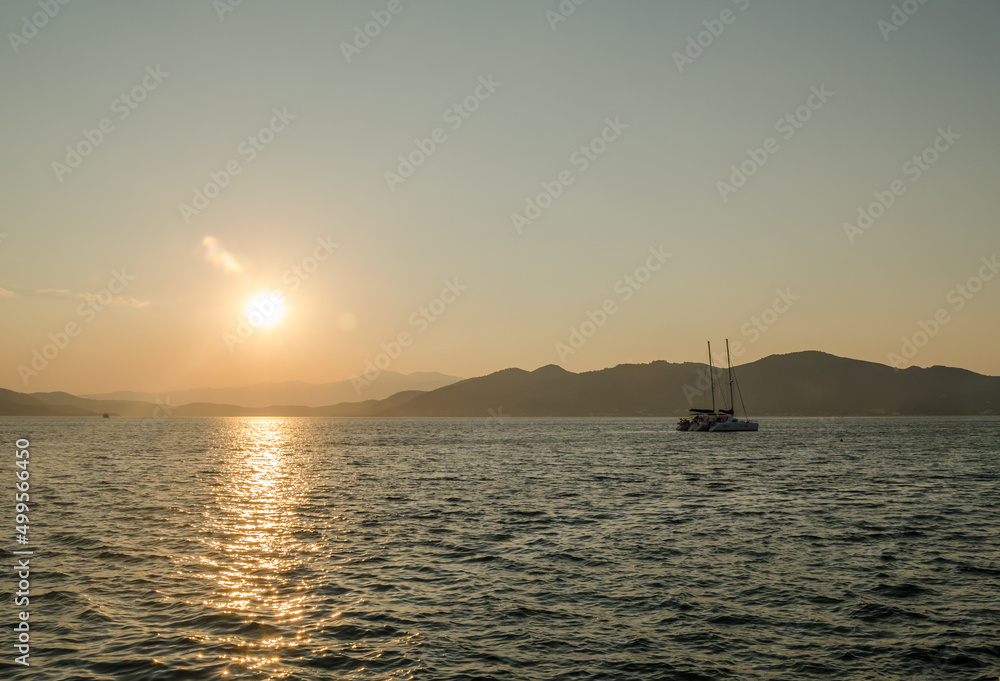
[(265, 309)]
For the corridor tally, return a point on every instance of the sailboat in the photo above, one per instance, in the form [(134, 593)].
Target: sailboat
[(702, 419), (729, 423), (722, 420)]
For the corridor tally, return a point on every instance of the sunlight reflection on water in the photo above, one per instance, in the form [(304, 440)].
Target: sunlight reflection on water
[(253, 553), (302, 549)]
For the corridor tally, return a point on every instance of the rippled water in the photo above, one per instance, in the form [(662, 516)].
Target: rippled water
[(508, 549)]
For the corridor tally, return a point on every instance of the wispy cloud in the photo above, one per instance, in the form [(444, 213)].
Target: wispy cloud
[(65, 294), (216, 254)]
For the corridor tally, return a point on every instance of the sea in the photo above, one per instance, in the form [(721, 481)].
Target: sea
[(502, 548)]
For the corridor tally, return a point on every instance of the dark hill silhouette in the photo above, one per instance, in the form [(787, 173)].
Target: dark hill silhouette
[(18, 404), (797, 384), (297, 393), (626, 390), (61, 400), (366, 408), (818, 384)]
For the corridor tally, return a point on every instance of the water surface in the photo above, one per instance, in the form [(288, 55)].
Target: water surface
[(295, 548)]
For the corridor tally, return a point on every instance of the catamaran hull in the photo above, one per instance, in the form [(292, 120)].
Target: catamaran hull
[(710, 425), (720, 427), (723, 420), (734, 427)]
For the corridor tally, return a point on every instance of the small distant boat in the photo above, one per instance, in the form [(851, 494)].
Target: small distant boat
[(107, 415), (722, 420)]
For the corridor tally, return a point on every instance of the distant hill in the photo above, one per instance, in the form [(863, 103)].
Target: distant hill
[(797, 384), (818, 384), (63, 404), (294, 392), (64, 401), (18, 404), (366, 408)]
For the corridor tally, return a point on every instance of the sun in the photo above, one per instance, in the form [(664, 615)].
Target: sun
[(265, 309)]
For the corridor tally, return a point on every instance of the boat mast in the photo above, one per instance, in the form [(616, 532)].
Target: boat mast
[(711, 374), (729, 363)]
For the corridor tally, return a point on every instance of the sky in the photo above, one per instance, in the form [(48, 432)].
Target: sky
[(464, 187)]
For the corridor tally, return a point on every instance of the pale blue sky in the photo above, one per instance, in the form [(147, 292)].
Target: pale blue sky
[(654, 186)]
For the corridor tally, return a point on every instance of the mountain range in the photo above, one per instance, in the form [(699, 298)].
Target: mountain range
[(294, 392), (797, 384)]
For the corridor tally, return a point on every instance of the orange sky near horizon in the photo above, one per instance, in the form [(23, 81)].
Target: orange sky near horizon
[(196, 200)]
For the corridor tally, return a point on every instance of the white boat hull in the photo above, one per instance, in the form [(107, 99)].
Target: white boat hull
[(723, 420), (732, 425)]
